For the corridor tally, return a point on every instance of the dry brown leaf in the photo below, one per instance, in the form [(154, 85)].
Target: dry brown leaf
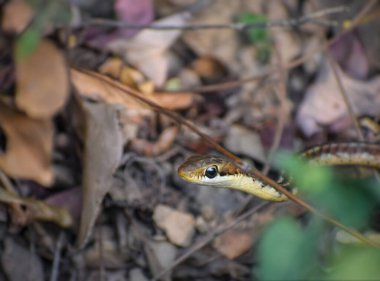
[(42, 81), (94, 88), (105, 252), (129, 76), (163, 144), (103, 150), (233, 243), (289, 45), (38, 210), (222, 45), (209, 68), (241, 140), (17, 15), (17, 260), (173, 101), (324, 105), (147, 51), (29, 146), (178, 226)]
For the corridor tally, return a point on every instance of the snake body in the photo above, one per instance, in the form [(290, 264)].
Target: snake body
[(218, 171)]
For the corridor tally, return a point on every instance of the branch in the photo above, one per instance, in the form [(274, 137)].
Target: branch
[(312, 18)]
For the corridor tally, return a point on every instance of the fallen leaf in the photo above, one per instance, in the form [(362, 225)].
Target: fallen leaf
[(178, 226), (163, 144), (38, 210), (349, 52), (129, 76), (165, 253), (105, 252), (147, 51), (233, 243), (177, 101), (244, 141), (88, 85), (288, 43), (221, 45), (324, 105), (17, 260), (131, 11), (69, 199), (42, 81), (102, 155), (28, 148), (136, 274), (209, 68), (16, 16)]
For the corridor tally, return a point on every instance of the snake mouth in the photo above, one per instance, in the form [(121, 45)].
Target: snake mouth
[(184, 175)]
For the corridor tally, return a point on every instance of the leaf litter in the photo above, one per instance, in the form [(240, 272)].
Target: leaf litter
[(124, 211)]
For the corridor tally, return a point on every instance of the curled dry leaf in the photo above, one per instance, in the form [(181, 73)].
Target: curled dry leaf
[(89, 85), (129, 76), (38, 210), (17, 15), (324, 105), (42, 81), (164, 142), (29, 145), (102, 155), (177, 101)]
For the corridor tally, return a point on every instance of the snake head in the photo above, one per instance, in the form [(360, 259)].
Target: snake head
[(218, 171), (208, 170)]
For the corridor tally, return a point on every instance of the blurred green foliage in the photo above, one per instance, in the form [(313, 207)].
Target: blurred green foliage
[(308, 250), (257, 36), (55, 13)]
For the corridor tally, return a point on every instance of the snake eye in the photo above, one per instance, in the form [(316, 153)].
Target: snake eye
[(211, 172)]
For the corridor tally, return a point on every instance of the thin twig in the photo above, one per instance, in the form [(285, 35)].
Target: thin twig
[(344, 95), (230, 155), (312, 18), (271, 70), (57, 256), (334, 68), (216, 232), (138, 96), (283, 111)]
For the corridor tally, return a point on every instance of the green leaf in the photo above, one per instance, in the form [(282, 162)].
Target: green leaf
[(308, 178), (285, 251), (355, 263), (350, 201), (257, 36), (27, 43), (55, 12)]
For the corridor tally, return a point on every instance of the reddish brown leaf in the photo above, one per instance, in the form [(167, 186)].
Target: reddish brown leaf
[(29, 146), (42, 81)]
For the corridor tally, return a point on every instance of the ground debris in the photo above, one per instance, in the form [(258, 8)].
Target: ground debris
[(178, 226)]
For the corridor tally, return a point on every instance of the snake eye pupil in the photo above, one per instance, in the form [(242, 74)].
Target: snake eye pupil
[(211, 172)]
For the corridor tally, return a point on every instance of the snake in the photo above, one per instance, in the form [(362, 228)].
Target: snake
[(219, 171)]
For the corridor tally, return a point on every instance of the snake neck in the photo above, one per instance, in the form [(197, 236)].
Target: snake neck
[(254, 186), (351, 153)]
